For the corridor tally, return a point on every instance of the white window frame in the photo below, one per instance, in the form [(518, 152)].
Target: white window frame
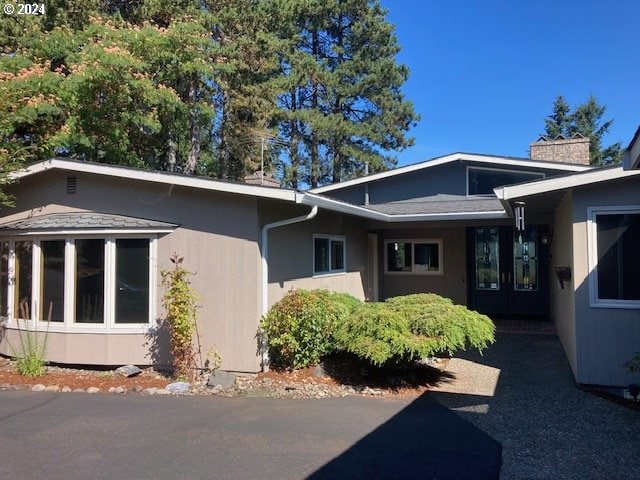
[(592, 247), (413, 241), (69, 325), (323, 273), (470, 167)]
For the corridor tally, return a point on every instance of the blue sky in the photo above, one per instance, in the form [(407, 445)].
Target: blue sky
[(484, 74)]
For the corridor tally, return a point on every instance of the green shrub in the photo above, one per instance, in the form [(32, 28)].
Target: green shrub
[(300, 327), (406, 328)]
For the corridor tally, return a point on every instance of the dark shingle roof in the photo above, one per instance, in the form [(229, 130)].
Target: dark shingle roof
[(83, 221), (440, 204)]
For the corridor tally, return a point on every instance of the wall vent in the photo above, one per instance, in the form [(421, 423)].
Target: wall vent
[(72, 185)]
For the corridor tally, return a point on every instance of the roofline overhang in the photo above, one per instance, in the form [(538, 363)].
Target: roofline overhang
[(631, 159), (355, 210), (539, 187), (155, 177), (470, 157)]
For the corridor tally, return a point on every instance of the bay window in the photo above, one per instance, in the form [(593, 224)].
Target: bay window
[(78, 282)]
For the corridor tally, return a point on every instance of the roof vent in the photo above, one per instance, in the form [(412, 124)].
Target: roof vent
[(72, 185)]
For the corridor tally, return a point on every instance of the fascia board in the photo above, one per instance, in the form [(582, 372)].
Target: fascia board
[(155, 177), (469, 157)]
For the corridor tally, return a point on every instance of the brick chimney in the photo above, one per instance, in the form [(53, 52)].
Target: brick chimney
[(257, 178), (560, 149)]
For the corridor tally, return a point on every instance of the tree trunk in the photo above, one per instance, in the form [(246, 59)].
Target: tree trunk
[(194, 127), (171, 152)]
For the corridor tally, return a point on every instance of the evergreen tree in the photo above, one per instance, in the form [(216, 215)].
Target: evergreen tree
[(586, 120)]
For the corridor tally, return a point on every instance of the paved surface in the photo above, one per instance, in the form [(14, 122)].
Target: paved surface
[(100, 436), (522, 393)]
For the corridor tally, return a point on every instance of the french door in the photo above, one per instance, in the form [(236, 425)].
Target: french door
[(508, 270)]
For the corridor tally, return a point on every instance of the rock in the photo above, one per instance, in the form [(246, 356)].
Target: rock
[(319, 371), (66, 389), (216, 390), (38, 388), (78, 390), (150, 391), (117, 389), (128, 371), (52, 388), (93, 390), (136, 389), (163, 391), (178, 388), (220, 377)]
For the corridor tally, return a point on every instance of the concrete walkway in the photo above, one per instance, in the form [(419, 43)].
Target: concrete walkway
[(522, 393)]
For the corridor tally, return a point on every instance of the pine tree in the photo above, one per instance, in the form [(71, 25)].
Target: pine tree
[(586, 120)]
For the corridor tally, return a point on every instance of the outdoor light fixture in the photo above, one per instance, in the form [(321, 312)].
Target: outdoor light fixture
[(519, 215)]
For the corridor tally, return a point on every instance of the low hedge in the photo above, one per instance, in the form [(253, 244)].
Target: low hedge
[(403, 329), (301, 325)]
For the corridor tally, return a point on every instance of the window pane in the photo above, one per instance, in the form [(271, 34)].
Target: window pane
[(525, 259), (4, 278), (52, 301), (90, 281), (321, 255), (487, 254), (399, 257), (24, 260), (337, 255), (618, 257), (427, 258), (132, 280), (482, 182)]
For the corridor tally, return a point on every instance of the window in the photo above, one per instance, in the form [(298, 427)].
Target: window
[(328, 254), (414, 256), (78, 283), (615, 257), (482, 181)]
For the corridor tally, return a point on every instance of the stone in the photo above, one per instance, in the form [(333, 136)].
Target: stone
[(178, 388), (216, 389), (38, 388), (93, 390), (128, 371), (220, 377), (137, 389), (78, 390), (150, 391), (119, 389), (163, 391), (52, 388), (319, 371), (66, 389)]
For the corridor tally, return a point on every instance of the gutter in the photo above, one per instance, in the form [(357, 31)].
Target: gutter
[(265, 269)]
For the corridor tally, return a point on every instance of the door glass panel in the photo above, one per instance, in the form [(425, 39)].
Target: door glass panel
[(487, 264), (4, 278), (23, 279), (525, 260)]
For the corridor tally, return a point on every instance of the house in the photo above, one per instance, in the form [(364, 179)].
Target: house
[(85, 244)]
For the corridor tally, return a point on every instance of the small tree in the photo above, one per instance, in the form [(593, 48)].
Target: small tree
[(180, 302)]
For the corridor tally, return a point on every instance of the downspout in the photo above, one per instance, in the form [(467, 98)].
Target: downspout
[(265, 272)]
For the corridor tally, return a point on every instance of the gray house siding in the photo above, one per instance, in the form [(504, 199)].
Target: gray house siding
[(606, 337), (218, 236), (563, 299), (291, 252), (448, 179)]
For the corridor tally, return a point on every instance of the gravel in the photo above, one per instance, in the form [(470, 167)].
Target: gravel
[(549, 428)]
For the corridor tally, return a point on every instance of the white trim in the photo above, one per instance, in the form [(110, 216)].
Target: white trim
[(562, 183), (592, 254), (468, 157), (331, 238), (540, 175), (413, 241), (155, 177), (94, 232)]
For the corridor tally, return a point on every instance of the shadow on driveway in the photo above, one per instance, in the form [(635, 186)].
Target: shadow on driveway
[(424, 440)]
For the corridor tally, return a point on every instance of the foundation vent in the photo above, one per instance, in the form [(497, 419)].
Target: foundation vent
[(72, 185)]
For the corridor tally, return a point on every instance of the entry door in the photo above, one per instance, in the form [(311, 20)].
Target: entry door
[(508, 271)]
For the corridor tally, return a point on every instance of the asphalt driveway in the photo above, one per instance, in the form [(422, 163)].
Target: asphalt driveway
[(100, 436)]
